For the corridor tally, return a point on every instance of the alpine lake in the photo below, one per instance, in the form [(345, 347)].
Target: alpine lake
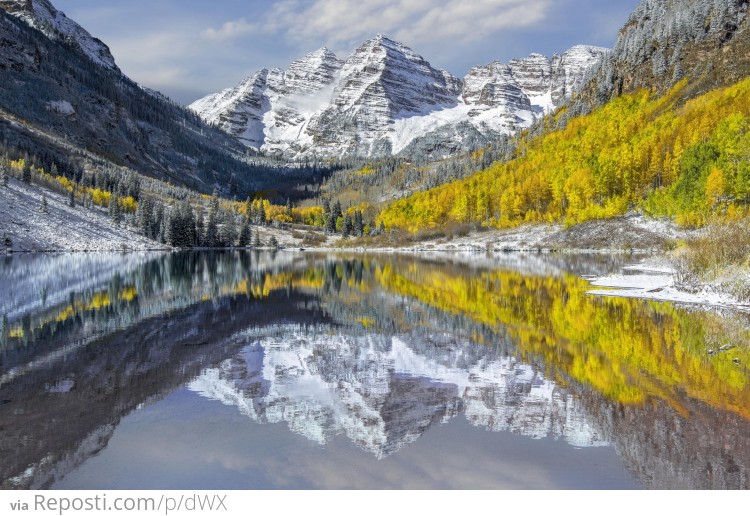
[(296, 370)]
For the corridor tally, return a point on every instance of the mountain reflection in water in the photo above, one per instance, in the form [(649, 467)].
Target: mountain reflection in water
[(375, 350)]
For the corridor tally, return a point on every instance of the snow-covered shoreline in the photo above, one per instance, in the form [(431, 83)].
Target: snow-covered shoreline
[(656, 282)]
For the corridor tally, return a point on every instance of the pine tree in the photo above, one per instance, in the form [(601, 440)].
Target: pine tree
[(26, 174), (262, 216), (245, 235), (212, 225), (348, 225), (72, 198), (228, 232), (180, 228), (330, 223), (359, 224), (199, 229), (6, 179), (144, 215), (256, 239), (45, 207), (157, 222), (273, 242), (114, 209), (333, 218), (248, 209)]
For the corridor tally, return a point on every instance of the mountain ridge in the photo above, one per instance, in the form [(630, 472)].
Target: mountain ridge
[(42, 15), (385, 98)]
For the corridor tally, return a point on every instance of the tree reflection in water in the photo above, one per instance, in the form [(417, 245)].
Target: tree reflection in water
[(374, 349)]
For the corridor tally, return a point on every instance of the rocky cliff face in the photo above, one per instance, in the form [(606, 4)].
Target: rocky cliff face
[(385, 99), (42, 15), (665, 41)]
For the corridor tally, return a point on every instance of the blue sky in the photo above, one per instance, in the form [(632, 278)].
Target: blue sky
[(189, 48)]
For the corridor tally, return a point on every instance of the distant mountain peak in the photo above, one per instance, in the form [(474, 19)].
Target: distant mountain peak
[(43, 16), (385, 97)]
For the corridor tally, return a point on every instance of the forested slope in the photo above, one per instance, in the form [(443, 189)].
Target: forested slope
[(662, 126), (687, 160)]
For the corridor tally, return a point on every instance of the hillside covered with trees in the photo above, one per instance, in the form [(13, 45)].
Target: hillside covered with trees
[(639, 151)]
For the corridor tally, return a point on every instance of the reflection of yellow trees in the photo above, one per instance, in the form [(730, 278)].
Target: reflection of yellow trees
[(628, 350), (90, 303), (264, 284)]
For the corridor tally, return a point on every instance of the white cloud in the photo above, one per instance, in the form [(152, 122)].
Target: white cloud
[(231, 30), (346, 22)]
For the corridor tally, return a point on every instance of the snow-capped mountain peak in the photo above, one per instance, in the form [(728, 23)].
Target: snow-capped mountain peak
[(42, 15), (385, 99)]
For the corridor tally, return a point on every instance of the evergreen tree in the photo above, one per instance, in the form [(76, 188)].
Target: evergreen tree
[(256, 239), (330, 223), (181, 226), (26, 174), (359, 224), (245, 235), (262, 216), (157, 222), (7, 241), (228, 231), (144, 216), (114, 209), (199, 229), (333, 218), (212, 225), (348, 225), (72, 198), (6, 179), (249, 209), (45, 207), (273, 242)]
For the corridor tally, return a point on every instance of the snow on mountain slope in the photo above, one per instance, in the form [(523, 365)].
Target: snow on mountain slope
[(86, 229), (385, 97), (42, 15)]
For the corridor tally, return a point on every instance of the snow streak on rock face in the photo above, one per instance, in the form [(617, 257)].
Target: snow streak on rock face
[(42, 15), (385, 98), (383, 393)]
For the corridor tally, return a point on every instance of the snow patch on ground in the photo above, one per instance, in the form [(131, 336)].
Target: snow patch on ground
[(62, 228), (655, 280), (61, 106)]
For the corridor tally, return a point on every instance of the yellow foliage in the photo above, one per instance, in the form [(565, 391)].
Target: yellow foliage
[(278, 213), (99, 196), (128, 204), (628, 350), (599, 166), (365, 171), (311, 216), (715, 185)]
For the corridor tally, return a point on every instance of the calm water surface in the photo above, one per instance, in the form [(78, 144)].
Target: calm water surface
[(259, 371)]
